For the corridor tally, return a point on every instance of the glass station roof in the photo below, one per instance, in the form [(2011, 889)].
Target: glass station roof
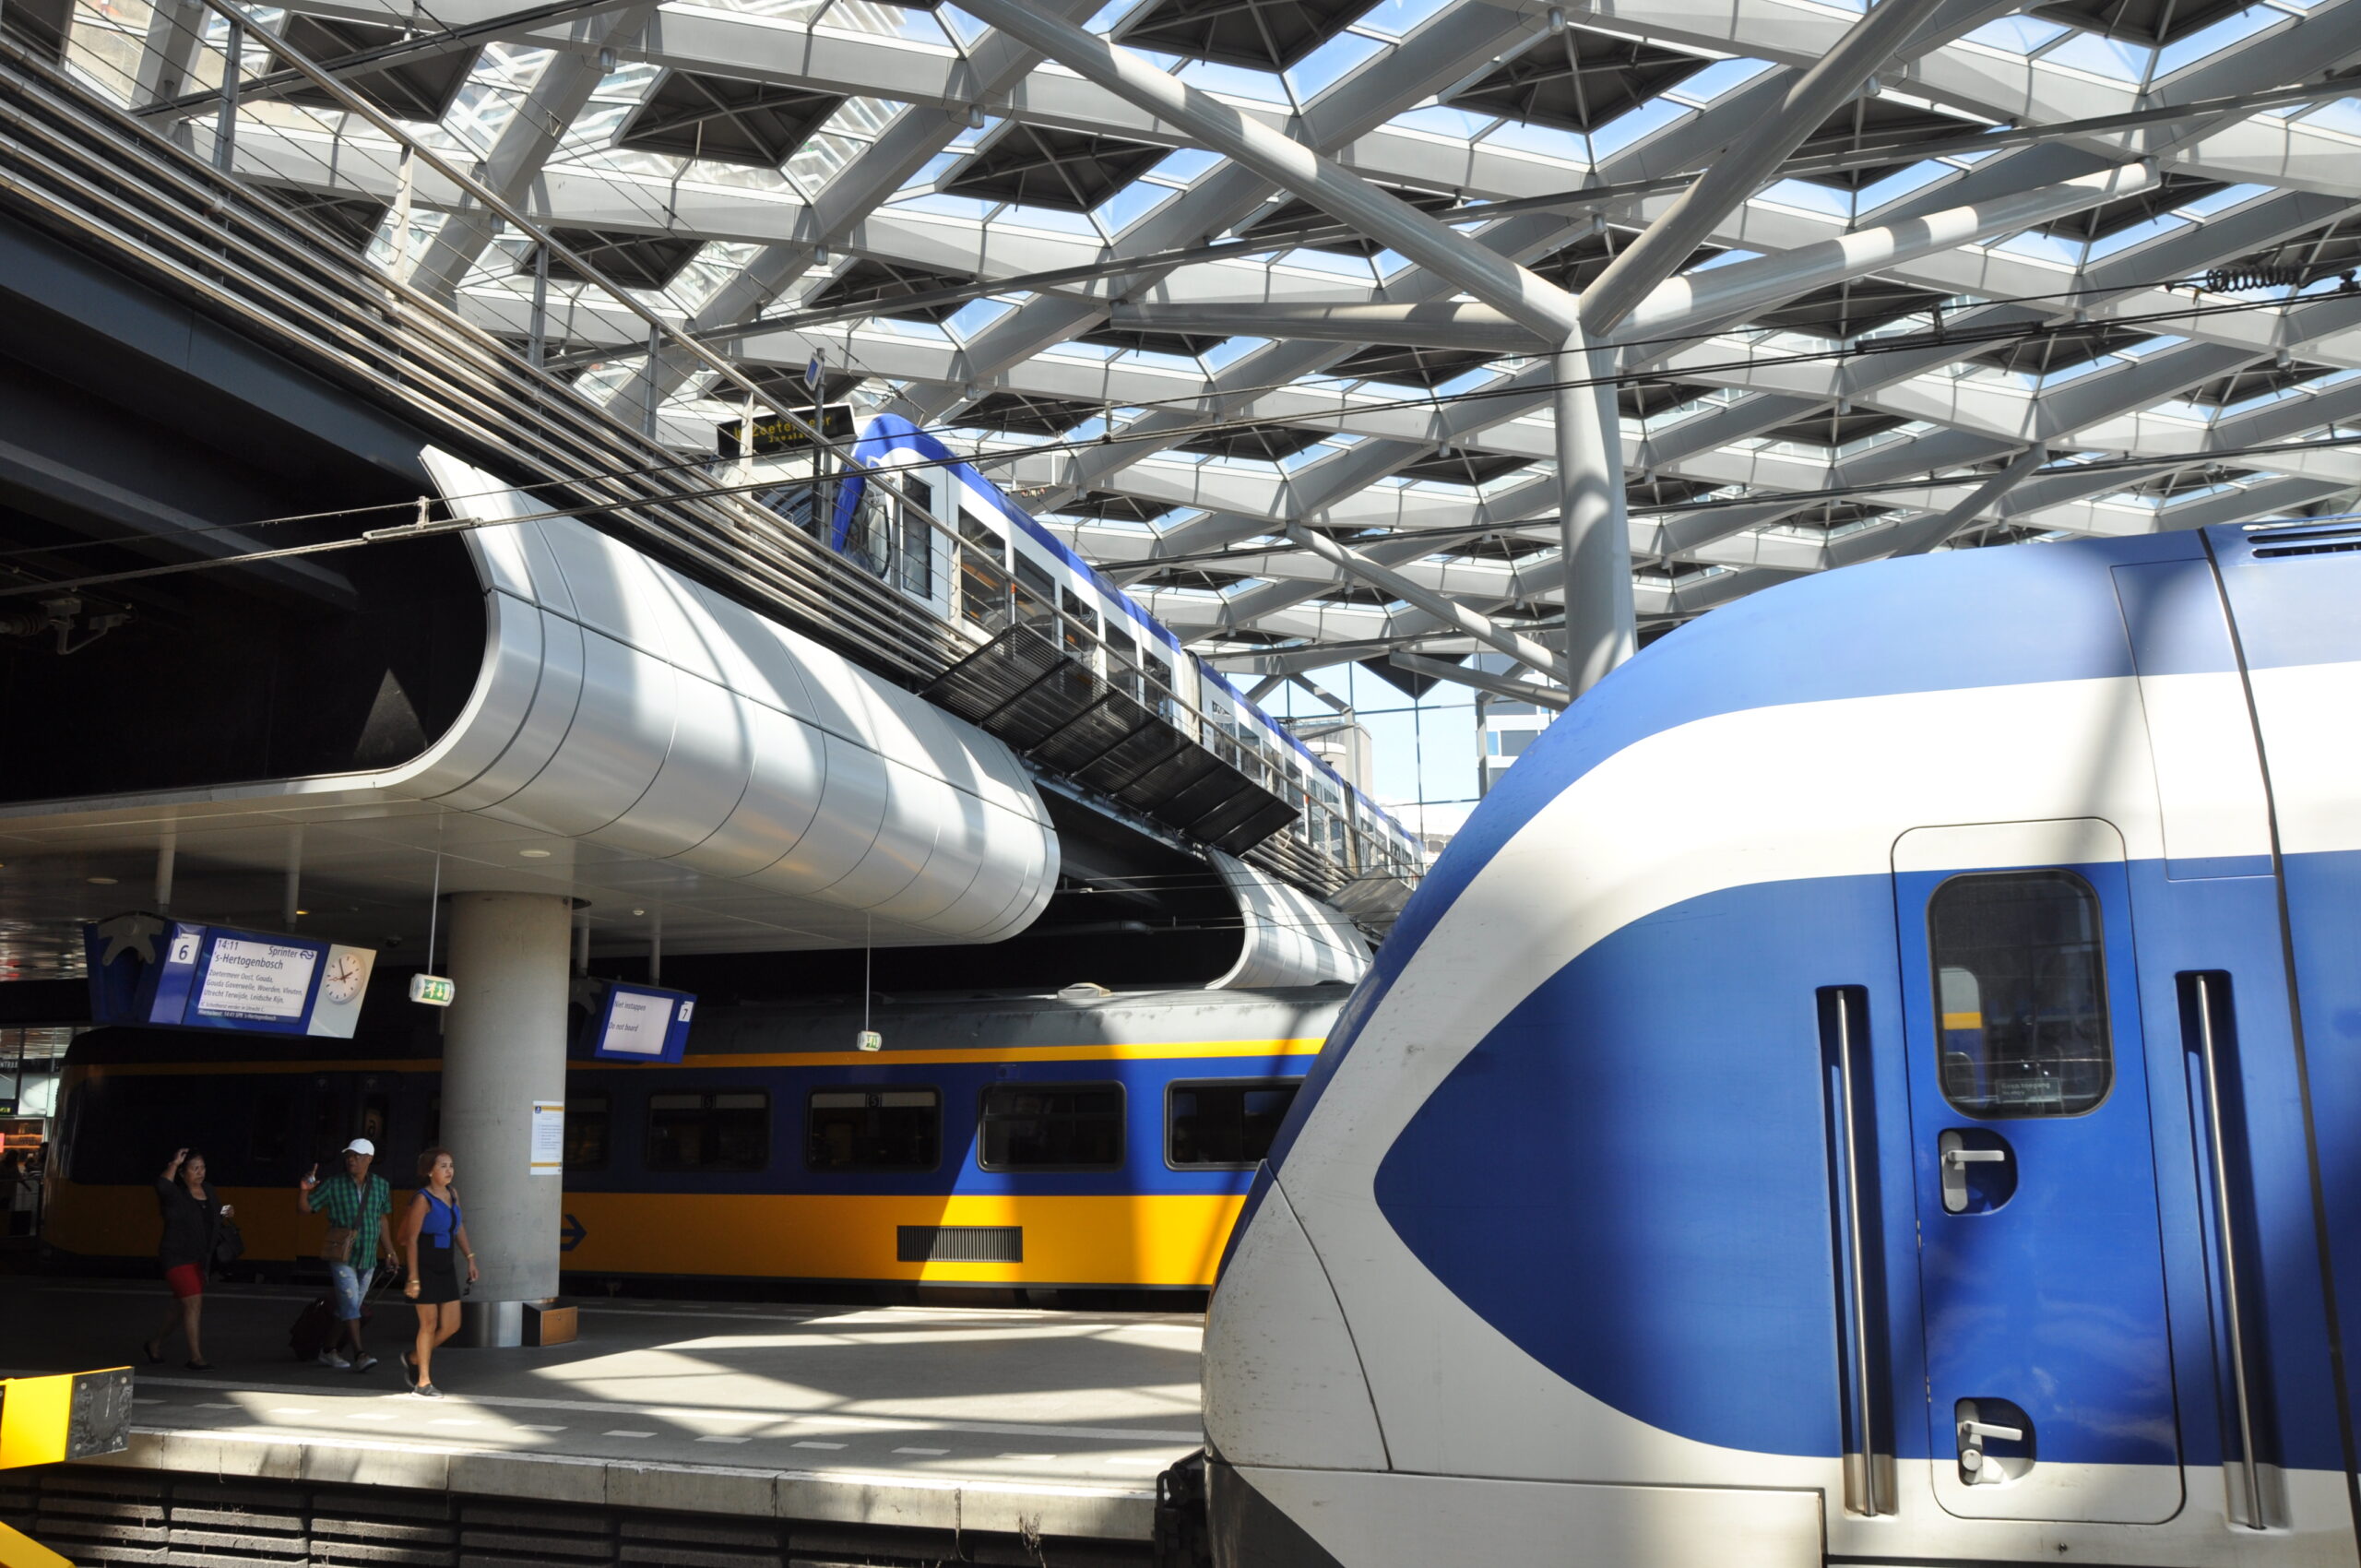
[(980, 241)]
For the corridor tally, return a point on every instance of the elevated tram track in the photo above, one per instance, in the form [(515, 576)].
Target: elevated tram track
[(82, 172)]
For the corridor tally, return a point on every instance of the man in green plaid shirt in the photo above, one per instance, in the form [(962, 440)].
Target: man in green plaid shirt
[(360, 1203)]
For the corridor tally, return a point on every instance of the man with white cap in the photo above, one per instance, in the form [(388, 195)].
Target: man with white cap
[(357, 1204)]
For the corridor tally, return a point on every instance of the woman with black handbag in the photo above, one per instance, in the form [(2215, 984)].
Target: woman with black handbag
[(192, 1224)]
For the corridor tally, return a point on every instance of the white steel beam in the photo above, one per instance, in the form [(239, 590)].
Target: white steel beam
[(1743, 166)]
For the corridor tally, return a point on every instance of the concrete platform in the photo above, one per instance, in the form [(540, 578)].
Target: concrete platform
[(1036, 1423)]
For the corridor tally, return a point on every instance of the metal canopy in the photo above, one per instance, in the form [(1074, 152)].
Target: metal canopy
[(1177, 359)]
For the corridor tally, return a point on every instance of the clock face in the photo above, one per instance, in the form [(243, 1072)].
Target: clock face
[(342, 982)]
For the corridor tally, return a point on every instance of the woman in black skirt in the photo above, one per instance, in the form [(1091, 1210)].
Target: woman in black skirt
[(434, 1239)]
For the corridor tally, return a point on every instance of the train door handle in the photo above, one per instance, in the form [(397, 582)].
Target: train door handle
[(1956, 1157), (1976, 1466)]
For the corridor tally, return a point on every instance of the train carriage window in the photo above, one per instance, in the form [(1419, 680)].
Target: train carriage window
[(1225, 1124), (727, 1130), (983, 581), (271, 1112), (1035, 595), (586, 1131), (329, 1130), (2020, 994), (917, 552), (900, 1129), (1051, 1127)]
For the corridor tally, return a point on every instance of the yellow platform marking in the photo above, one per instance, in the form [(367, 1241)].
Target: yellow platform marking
[(20, 1551), (34, 1414)]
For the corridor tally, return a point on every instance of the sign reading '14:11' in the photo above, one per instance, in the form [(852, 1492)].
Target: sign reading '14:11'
[(181, 975)]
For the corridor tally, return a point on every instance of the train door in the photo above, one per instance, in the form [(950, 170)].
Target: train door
[(2049, 1358)]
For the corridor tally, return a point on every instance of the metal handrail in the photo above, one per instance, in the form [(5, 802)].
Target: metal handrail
[(2201, 996), (1856, 1264)]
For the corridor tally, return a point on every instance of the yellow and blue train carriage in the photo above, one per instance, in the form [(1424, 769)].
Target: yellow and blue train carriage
[(1004, 1141)]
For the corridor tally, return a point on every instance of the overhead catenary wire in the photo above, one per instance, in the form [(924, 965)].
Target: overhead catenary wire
[(1894, 343), (439, 529)]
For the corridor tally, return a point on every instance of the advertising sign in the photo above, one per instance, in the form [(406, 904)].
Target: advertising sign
[(639, 1023), (178, 975)]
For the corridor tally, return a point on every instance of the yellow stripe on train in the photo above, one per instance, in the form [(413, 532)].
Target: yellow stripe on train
[(1143, 1051), (1160, 1239)]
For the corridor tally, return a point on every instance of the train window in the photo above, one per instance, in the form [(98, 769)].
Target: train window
[(982, 535), (983, 583), (874, 1130), (728, 1130), (586, 1131), (2020, 994), (1051, 1127), (330, 1133), (271, 1114), (916, 553), (1224, 1123), (377, 1115), (1036, 593)]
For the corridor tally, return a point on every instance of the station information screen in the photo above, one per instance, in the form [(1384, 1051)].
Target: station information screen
[(638, 1023), (179, 975)]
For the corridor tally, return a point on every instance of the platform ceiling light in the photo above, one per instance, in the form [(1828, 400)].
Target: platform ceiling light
[(102, 882), (1557, 21), (535, 854), (975, 116), (639, 912)]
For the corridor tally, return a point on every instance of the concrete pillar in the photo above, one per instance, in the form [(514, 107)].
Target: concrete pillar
[(1594, 531), (503, 1050)]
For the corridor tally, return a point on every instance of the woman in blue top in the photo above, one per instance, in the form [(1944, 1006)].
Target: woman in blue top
[(435, 1238)]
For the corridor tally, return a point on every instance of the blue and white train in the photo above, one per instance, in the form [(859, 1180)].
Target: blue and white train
[(1010, 566), (1879, 1082)]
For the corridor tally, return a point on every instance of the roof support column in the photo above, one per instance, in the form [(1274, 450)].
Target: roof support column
[(1593, 528), (1597, 533)]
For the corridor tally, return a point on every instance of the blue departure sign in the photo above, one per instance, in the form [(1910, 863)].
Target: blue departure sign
[(639, 1023), (178, 975)]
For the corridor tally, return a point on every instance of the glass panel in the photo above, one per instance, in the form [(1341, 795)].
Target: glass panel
[(2020, 994), (695, 1132), (874, 1130), (983, 593), (1226, 1123), (1040, 1126)]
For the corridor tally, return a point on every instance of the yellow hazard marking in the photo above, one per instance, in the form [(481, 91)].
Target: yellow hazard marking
[(20, 1551)]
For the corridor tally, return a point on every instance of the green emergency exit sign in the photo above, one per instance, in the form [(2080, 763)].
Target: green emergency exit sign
[(436, 990)]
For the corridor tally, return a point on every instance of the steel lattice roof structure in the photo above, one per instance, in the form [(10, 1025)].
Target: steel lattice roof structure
[(1970, 304)]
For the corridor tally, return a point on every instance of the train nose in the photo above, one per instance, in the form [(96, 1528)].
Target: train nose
[(1284, 1388)]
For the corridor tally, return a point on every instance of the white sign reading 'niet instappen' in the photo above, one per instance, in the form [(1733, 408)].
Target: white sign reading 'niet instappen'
[(637, 1023), (256, 980)]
